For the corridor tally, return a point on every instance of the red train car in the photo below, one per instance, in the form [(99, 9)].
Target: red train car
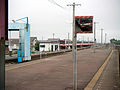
[(68, 44)]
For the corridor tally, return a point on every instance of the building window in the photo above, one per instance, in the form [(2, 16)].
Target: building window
[(43, 46), (62, 42), (79, 42)]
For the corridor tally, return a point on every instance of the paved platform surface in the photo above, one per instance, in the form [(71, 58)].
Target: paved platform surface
[(109, 79), (55, 73)]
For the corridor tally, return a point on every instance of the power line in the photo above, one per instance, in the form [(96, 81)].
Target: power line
[(55, 3)]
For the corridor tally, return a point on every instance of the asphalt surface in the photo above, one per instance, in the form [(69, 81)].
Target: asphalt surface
[(55, 73)]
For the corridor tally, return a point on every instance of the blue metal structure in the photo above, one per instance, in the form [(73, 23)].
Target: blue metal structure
[(24, 38)]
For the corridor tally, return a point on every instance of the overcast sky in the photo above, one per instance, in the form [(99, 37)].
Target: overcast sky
[(46, 17)]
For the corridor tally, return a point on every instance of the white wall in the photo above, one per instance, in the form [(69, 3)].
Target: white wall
[(48, 47)]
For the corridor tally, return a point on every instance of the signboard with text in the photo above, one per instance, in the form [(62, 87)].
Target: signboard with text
[(84, 24)]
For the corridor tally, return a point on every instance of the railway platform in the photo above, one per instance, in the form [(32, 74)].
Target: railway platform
[(110, 79), (56, 73)]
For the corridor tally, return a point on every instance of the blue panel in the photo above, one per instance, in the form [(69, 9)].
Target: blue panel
[(27, 44), (19, 59), (21, 53)]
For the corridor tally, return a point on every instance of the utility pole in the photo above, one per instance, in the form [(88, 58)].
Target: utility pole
[(53, 35), (101, 36), (95, 34), (68, 35), (105, 37), (88, 39), (74, 48), (68, 40)]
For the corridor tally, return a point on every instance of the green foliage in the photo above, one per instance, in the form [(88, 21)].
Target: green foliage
[(33, 52), (37, 46), (114, 41)]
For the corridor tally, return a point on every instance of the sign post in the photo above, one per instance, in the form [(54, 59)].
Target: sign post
[(74, 49)]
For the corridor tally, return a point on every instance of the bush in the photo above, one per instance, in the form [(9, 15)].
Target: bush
[(37, 46)]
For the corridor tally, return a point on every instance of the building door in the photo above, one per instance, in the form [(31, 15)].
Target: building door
[(56, 47), (52, 48)]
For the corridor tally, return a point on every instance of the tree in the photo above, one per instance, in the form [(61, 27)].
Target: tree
[(37, 46), (114, 41)]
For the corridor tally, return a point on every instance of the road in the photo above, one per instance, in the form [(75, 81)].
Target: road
[(55, 73)]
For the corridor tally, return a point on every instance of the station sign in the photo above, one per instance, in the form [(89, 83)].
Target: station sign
[(84, 24)]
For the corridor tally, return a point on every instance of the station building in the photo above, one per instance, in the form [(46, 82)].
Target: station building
[(49, 45)]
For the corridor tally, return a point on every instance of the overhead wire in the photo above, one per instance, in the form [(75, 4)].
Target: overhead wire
[(55, 3)]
